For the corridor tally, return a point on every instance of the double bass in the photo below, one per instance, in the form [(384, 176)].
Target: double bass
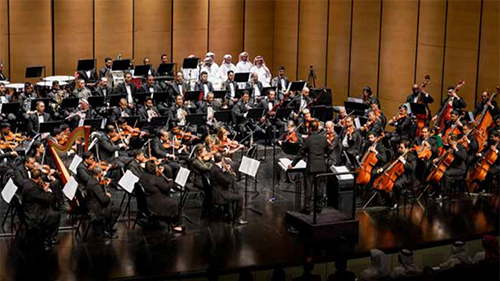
[(367, 163), (483, 122), (444, 113), (482, 167), (386, 180), (422, 118)]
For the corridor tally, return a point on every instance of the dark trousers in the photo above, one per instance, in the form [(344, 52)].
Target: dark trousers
[(110, 215), (452, 174), (236, 197), (310, 183)]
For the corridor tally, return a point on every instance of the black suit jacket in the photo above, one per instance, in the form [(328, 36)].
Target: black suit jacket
[(145, 88), (250, 87), (239, 109), (143, 113), (98, 201), (354, 142), (222, 185), (174, 88), (3, 77), (199, 87), (20, 175), (135, 167), (276, 82), (117, 113), (100, 93), (410, 166), (107, 149), (36, 203), (83, 175), (313, 151), (88, 79), (158, 150), (202, 106), (33, 125), (199, 170), (123, 90), (457, 104)]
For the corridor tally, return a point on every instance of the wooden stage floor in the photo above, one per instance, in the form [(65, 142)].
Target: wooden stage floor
[(264, 243)]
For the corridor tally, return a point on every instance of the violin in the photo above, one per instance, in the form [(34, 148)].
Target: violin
[(63, 140), (8, 145), (386, 180), (483, 166), (399, 117), (131, 131), (104, 165), (367, 163), (292, 137), (168, 144), (12, 137), (367, 125)]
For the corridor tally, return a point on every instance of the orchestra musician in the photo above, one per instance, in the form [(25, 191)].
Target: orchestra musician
[(280, 82), (224, 190), (37, 198), (492, 145), (403, 125), (368, 97), (341, 118), (39, 116), (419, 95), (84, 172), (204, 85), (404, 181), (351, 139), (201, 166), (255, 87), (106, 69), (128, 88), (230, 86), (81, 91), (4, 97), (89, 76), (454, 101), (158, 196), (314, 152), (300, 102), (291, 135), (163, 149), (2, 75), (148, 111), (485, 101), (178, 86), (100, 204), (457, 169), (110, 145), (122, 110), (103, 90), (240, 111), (380, 115), (380, 152), (178, 112), (372, 124)]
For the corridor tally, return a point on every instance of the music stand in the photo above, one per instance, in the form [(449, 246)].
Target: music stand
[(140, 97), (159, 121), (10, 107), (356, 108), (95, 124), (114, 100), (239, 93), (190, 63), (121, 65), (46, 101), (35, 71), (47, 127), (166, 68), (255, 113), (223, 116), (193, 96), (196, 119), (241, 77), (318, 112), (283, 113), (70, 102), (96, 101), (132, 120), (85, 65), (297, 86), (159, 97), (417, 108), (219, 94), (142, 70)]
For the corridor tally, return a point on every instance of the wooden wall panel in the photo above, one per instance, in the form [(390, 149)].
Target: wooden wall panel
[(365, 45), (4, 37), (113, 29), (73, 32), (313, 25), (226, 28), (31, 37), (489, 71), (430, 47), (259, 31), (286, 16), (190, 29), (462, 47), (152, 30), (339, 45), (397, 53)]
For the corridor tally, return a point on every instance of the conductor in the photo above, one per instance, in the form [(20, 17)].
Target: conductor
[(314, 152)]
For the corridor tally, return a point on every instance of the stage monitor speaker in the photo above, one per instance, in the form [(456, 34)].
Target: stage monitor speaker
[(340, 192)]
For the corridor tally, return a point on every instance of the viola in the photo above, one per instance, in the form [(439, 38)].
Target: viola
[(8, 145), (135, 132), (292, 137), (483, 166), (168, 144), (367, 163), (386, 180), (12, 137)]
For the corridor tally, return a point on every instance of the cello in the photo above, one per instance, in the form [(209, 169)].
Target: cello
[(483, 166), (367, 163), (444, 113), (386, 180), (440, 167), (423, 151), (483, 122), (452, 130), (422, 118)]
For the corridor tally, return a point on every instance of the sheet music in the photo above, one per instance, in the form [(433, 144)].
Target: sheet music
[(357, 123), (340, 170), (74, 164), (93, 143), (69, 189), (8, 191), (128, 181), (249, 166), (286, 162), (182, 177), (358, 100)]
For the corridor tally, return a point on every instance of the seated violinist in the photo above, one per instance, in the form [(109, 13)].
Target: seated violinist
[(110, 146), (405, 180), (135, 166), (380, 115), (100, 204), (403, 125), (200, 166), (133, 137), (341, 118), (291, 136), (227, 146), (158, 197), (163, 149), (84, 172), (351, 139), (373, 124)]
